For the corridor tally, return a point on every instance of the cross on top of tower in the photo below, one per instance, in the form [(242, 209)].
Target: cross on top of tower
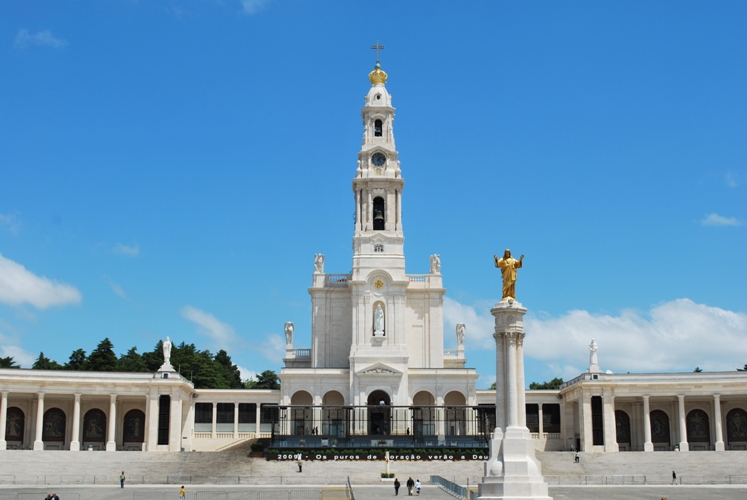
[(377, 47)]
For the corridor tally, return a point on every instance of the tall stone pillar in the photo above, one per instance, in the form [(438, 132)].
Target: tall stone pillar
[(512, 470), (214, 430), (610, 426), (175, 423), (520, 382), (586, 430), (151, 416), (541, 424), (75, 442), (258, 421), (683, 424), (236, 420), (111, 443), (38, 443), (647, 444), (719, 444), (3, 418)]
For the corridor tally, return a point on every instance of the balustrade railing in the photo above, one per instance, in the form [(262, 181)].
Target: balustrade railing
[(303, 353), (451, 353), (418, 278)]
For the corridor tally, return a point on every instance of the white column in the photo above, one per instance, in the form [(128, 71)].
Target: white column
[(75, 442), (111, 444), (3, 419), (522, 403), (215, 421), (513, 397), (719, 444), (541, 428), (189, 427), (683, 424), (610, 426), (236, 420), (175, 423), (586, 430), (647, 444), (38, 443), (257, 421)]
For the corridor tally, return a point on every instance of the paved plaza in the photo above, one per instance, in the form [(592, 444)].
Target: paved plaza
[(367, 492)]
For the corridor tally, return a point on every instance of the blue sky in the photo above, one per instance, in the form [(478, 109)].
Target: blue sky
[(171, 168)]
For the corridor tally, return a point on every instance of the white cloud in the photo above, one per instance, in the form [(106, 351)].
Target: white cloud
[(18, 286), (221, 334), (715, 219), (731, 180), (125, 250), (42, 38), (273, 348), (115, 287), (252, 6), (673, 336), (246, 374), (10, 222)]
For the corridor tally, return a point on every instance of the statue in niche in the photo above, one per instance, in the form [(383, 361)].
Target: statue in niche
[(435, 264), (167, 352), (461, 329), (289, 333), (508, 266), (593, 353), (378, 321), (319, 263)]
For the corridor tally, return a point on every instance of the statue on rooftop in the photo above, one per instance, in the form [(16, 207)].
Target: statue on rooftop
[(435, 264), (319, 263), (593, 353), (461, 329), (167, 352), (378, 321), (508, 266), (289, 328)]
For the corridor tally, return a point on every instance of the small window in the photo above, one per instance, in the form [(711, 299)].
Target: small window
[(377, 128), (378, 247), (378, 96)]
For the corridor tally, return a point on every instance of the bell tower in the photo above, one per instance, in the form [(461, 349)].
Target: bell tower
[(378, 242)]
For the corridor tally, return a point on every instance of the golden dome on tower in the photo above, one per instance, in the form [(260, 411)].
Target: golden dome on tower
[(378, 75)]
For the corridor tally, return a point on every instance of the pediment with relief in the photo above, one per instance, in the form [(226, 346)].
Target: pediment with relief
[(379, 369)]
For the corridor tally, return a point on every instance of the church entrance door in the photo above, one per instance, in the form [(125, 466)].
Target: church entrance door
[(379, 414)]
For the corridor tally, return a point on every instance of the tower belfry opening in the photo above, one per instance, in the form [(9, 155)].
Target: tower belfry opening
[(378, 128), (379, 221)]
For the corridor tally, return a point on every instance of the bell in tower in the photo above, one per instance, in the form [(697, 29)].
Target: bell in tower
[(379, 222)]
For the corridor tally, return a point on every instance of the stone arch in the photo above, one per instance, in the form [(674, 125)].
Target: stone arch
[(301, 414), (736, 425), (94, 426), (54, 425), (15, 424), (379, 413), (622, 424), (423, 415), (302, 398), (333, 398), (134, 427), (456, 416), (455, 398), (698, 427), (333, 415), (660, 427)]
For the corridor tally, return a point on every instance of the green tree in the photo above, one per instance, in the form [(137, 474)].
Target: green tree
[(231, 372), (78, 361), (131, 362), (268, 379), (698, 370), (103, 359), (742, 369), (44, 363), (154, 359), (492, 387), (8, 362), (553, 384)]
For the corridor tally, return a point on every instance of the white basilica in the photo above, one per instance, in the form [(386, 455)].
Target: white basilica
[(376, 373)]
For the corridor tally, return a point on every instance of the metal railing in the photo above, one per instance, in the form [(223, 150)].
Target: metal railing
[(350, 488)]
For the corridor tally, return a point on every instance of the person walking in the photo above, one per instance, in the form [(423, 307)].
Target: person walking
[(417, 487), (410, 486), (578, 457), (182, 493), (396, 486), (121, 480), (674, 478)]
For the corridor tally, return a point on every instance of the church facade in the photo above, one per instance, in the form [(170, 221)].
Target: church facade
[(376, 373)]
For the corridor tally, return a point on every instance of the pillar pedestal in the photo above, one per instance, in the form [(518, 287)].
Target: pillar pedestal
[(512, 471)]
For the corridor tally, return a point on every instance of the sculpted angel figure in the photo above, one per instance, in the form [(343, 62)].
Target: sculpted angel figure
[(461, 329), (435, 264), (319, 263), (508, 266), (289, 327)]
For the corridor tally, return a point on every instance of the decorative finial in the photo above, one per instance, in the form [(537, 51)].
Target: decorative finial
[(377, 75)]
